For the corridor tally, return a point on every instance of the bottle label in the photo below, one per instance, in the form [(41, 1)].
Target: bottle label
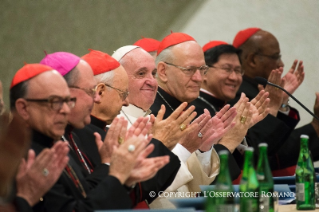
[(260, 177), (225, 208), (264, 203), (300, 191)]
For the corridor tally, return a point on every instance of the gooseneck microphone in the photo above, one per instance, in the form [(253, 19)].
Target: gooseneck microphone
[(264, 82)]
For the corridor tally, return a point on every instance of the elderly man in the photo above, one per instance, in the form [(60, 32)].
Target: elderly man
[(180, 66), (14, 145), (112, 86), (103, 187), (260, 55), (141, 70)]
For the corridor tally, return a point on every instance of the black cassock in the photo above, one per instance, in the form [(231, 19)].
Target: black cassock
[(171, 103), (65, 196), (159, 182)]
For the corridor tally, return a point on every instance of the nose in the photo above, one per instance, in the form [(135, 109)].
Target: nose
[(65, 108), (197, 76), (151, 81), (280, 63), (233, 75), (125, 102)]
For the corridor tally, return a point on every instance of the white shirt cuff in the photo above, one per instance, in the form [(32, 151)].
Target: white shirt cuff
[(205, 159), (287, 112), (181, 152)]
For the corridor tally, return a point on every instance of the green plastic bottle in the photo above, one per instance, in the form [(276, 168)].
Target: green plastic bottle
[(266, 183), (305, 181), (222, 198), (249, 186)]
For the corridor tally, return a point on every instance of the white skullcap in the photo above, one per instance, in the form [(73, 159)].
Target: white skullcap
[(121, 52)]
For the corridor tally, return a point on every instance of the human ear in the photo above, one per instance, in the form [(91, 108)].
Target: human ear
[(161, 72), (21, 106)]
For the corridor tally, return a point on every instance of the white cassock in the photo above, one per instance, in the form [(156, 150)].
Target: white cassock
[(196, 168)]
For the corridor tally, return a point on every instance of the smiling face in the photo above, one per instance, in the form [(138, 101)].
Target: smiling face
[(173, 80), (40, 116), (140, 68), (221, 84)]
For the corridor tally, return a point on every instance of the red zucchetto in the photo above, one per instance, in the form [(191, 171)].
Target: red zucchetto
[(27, 72), (100, 62), (148, 44), (213, 44), (173, 39), (243, 35)]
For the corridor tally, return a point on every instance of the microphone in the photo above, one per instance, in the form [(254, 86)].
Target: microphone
[(264, 82)]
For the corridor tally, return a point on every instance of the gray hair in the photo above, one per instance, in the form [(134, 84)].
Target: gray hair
[(166, 56), (106, 77)]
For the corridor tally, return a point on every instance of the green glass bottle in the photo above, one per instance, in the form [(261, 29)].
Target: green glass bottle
[(305, 181), (266, 183), (222, 198), (249, 186)]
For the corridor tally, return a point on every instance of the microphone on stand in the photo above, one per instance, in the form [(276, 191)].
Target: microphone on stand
[(264, 82)]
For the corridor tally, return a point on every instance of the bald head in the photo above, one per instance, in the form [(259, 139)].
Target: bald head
[(261, 54), (141, 70)]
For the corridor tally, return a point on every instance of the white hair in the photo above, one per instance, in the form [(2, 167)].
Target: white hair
[(106, 77), (165, 56)]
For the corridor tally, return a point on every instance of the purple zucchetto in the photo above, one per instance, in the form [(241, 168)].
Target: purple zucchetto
[(63, 62)]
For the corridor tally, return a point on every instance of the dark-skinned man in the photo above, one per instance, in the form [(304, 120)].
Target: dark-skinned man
[(260, 57)]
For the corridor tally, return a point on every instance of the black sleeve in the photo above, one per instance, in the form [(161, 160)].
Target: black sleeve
[(233, 166), (22, 205), (165, 176), (272, 131)]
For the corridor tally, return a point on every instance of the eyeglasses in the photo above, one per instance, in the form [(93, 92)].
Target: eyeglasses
[(229, 70), (56, 102), (123, 94), (190, 70), (90, 91), (273, 57)]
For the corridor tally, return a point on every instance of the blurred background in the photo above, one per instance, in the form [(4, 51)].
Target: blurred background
[(30, 27)]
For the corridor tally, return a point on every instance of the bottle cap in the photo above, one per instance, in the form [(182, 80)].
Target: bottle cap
[(304, 136), (263, 144), (223, 152), (250, 149)]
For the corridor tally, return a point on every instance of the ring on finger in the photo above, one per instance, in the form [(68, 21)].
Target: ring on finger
[(200, 135), (120, 140), (131, 148), (182, 127), (243, 119), (45, 172)]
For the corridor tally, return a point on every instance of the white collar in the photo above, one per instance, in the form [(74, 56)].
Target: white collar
[(134, 111)]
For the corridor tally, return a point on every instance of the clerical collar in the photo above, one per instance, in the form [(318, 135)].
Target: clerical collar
[(42, 139), (98, 122), (168, 99), (135, 111), (218, 103), (69, 128)]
